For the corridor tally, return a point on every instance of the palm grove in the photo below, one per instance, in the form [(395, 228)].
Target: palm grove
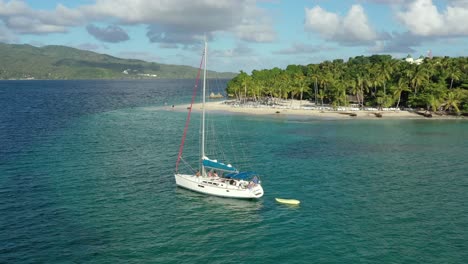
[(439, 84)]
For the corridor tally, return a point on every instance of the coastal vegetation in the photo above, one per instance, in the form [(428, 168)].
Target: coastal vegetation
[(61, 62), (438, 84)]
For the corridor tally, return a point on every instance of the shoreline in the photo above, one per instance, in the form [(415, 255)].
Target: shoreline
[(296, 109)]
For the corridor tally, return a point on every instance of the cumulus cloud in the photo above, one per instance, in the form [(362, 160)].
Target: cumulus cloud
[(20, 18), (5, 34), (254, 32), (459, 3), (112, 33), (177, 21), (398, 43), (255, 26), (185, 21), (352, 29), (13, 8), (29, 25), (422, 17), (170, 36), (386, 2)]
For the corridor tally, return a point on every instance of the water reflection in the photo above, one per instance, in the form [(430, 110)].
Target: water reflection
[(244, 210)]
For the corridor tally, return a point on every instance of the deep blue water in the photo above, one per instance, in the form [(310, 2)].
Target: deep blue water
[(86, 175)]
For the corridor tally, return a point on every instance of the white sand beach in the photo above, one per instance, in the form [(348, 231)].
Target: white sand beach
[(305, 109)]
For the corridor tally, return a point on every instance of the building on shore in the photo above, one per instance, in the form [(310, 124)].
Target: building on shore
[(418, 61)]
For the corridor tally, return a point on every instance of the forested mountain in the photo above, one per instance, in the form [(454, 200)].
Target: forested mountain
[(438, 84), (61, 62)]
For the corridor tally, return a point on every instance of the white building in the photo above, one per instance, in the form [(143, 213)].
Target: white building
[(418, 61)]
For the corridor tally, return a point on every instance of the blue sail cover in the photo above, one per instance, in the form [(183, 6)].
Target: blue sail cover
[(214, 164)]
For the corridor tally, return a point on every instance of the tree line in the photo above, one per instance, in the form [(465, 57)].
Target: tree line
[(438, 84)]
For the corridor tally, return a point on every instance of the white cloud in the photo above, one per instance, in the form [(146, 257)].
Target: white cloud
[(62, 16), (356, 25), (20, 18), (177, 21), (254, 32), (458, 2), (27, 25), (386, 2), (6, 35), (400, 43), (422, 17), (188, 19), (13, 8), (325, 23), (352, 29)]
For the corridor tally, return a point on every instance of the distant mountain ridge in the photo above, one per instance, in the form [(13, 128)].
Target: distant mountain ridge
[(61, 62)]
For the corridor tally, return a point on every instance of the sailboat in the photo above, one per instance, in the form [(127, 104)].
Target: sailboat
[(215, 177)]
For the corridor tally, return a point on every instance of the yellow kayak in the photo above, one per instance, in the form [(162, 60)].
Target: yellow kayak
[(287, 201)]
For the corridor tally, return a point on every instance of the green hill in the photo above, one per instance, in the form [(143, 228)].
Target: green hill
[(61, 62)]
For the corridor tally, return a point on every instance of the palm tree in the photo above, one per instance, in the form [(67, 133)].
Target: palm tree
[(452, 101), (364, 84), (355, 87), (419, 77), (341, 93), (300, 84), (244, 80), (402, 86), (454, 74), (321, 95), (385, 70), (432, 103)]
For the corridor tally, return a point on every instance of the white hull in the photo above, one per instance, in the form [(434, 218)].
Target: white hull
[(220, 186)]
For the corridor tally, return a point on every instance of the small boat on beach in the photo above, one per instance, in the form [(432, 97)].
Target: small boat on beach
[(215, 96)]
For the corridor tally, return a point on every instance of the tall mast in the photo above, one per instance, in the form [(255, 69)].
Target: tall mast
[(203, 108)]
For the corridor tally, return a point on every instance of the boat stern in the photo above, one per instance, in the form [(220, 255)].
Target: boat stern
[(257, 191)]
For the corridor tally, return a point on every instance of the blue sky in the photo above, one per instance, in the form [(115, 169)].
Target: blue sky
[(243, 34)]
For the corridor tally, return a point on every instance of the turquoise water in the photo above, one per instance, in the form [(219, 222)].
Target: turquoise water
[(87, 176)]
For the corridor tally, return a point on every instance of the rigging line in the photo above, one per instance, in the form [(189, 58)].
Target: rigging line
[(188, 165), (227, 120), (236, 135), (217, 143), (230, 129), (211, 132), (241, 157), (181, 148), (215, 149), (223, 153), (219, 138)]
